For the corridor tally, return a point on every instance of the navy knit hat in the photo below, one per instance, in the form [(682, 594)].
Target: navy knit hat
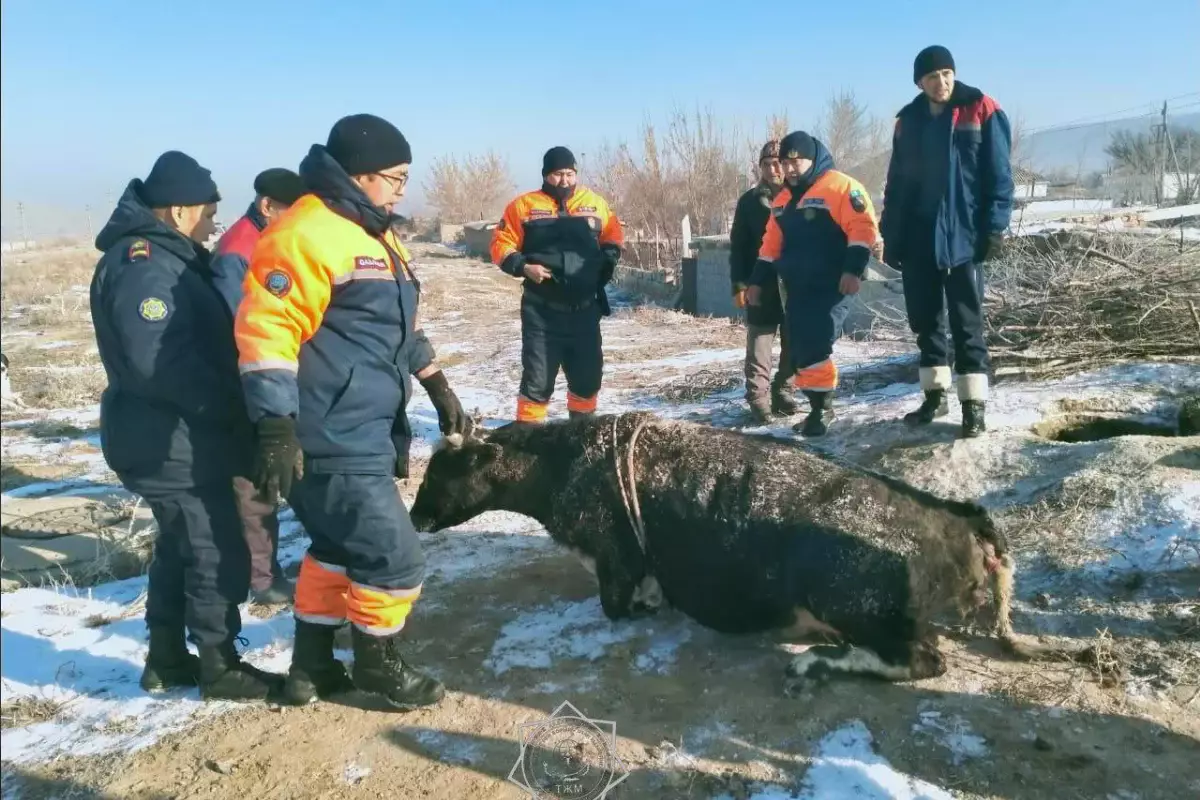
[(279, 184), (176, 179), (557, 158), (798, 144), (365, 143), (931, 59)]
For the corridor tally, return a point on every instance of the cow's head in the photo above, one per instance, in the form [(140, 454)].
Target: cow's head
[(460, 481)]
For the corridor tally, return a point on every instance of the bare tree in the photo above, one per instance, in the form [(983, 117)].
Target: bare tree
[(477, 187), (850, 131), (708, 168)]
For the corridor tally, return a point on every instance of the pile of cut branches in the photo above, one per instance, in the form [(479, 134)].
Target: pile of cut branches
[(1083, 298)]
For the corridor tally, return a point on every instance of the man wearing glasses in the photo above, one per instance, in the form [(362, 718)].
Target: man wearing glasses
[(565, 241), (326, 336)]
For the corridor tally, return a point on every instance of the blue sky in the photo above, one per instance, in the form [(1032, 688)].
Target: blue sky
[(92, 92)]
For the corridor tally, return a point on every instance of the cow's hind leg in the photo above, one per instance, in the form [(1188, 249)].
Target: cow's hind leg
[(914, 661), (617, 588)]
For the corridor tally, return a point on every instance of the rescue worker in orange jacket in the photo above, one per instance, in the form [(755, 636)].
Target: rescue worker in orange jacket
[(818, 242), (565, 241), (325, 334)]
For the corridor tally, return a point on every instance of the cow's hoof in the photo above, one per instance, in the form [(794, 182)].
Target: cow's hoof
[(928, 662)]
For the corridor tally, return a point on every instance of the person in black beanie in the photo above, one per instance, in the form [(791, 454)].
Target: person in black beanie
[(764, 395), (946, 206), (328, 341), (173, 426), (275, 189), (565, 242)]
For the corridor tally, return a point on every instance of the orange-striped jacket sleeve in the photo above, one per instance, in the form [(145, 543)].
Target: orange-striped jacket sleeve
[(287, 289), (506, 239), (855, 214), (611, 232)]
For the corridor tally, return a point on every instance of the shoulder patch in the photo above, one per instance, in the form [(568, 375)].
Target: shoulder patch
[(138, 251), (278, 283), (370, 262), (540, 212), (858, 201), (153, 309)]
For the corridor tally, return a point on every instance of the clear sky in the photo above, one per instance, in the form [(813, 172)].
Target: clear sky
[(92, 92)]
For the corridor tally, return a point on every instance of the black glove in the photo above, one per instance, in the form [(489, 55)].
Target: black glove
[(991, 247), (451, 417), (612, 256), (278, 459)]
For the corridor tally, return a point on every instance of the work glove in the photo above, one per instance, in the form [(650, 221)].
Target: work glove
[(612, 256), (278, 459), (991, 247), (739, 295), (451, 417)]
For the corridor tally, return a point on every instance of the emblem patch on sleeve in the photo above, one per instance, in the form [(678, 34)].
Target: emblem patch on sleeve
[(857, 201), (368, 262), (278, 283), (152, 309), (138, 251)]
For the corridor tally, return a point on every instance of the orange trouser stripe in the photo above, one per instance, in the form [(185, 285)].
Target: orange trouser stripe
[(819, 377), (321, 592), (584, 404), (380, 611), (529, 411)]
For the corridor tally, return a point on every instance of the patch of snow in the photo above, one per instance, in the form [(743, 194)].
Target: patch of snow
[(536, 639), (845, 766), (663, 650), (954, 734), (449, 748), (482, 544), (355, 773), (55, 345), (692, 358)]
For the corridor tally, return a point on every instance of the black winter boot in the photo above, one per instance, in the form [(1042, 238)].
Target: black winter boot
[(579, 414), (224, 676), (972, 418), (783, 402), (379, 669), (820, 414), (169, 665), (315, 672), (934, 406)]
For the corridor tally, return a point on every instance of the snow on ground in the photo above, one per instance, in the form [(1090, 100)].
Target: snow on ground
[(56, 648)]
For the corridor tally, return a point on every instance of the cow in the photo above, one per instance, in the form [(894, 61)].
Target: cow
[(743, 533), (8, 398)]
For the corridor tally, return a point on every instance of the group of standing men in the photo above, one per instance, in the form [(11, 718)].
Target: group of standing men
[(801, 241), (282, 364)]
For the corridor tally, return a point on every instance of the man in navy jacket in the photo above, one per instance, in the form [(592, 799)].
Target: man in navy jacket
[(947, 203)]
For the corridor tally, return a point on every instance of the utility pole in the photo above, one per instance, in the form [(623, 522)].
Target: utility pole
[(87, 211), (24, 230)]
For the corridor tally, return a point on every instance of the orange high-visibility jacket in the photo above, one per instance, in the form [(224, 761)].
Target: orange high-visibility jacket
[(325, 332), (578, 241)]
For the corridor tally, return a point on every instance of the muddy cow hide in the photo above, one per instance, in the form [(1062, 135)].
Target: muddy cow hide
[(743, 533)]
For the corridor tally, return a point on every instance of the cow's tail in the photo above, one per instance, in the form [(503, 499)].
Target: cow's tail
[(1002, 592)]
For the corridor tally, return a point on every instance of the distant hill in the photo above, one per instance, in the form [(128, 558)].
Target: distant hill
[(1082, 147)]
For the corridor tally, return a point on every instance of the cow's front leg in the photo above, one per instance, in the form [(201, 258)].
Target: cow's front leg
[(617, 588), (893, 661)]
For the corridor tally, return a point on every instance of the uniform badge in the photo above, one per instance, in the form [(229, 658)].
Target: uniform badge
[(809, 214), (152, 309), (368, 262), (857, 201), (278, 283), (138, 251), (792, 154)]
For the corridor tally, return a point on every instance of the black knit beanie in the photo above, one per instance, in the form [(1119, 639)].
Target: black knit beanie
[(557, 158), (931, 59), (365, 144), (176, 179), (279, 184), (798, 144)]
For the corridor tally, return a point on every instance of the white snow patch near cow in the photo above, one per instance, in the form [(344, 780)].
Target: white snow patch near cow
[(563, 630), (953, 733)]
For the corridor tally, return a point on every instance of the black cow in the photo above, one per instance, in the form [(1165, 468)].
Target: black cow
[(743, 533)]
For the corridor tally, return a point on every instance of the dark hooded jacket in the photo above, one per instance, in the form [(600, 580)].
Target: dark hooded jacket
[(978, 197), (745, 237), (172, 415)]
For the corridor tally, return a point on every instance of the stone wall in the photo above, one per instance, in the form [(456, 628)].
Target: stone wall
[(881, 293), (477, 237), (659, 286)]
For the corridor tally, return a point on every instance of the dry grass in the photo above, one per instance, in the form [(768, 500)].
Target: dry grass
[(697, 386), (56, 280), (32, 709)]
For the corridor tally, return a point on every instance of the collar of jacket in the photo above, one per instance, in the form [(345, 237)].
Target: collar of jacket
[(962, 95), (133, 218), (822, 163), (326, 179), (255, 217)]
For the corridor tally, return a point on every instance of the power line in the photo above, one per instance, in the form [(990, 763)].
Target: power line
[(1147, 109)]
